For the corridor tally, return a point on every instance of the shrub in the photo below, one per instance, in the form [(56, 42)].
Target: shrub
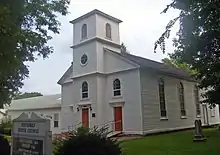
[(87, 142), (5, 127), (4, 146)]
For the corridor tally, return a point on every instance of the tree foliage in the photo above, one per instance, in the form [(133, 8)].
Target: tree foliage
[(180, 65), (198, 42), (25, 28), (27, 95)]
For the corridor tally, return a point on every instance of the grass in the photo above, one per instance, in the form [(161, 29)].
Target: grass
[(179, 143)]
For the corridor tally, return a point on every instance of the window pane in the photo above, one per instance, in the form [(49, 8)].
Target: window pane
[(84, 31), (116, 84), (181, 99), (183, 113), (163, 113), (108, 30), (162, 98), (85, 87), (196, 95), (85, 95), (56, 124), (84, 59), (117, 93)]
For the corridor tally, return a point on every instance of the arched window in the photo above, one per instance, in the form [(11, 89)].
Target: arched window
[(197, 102), (85, 90), (108, 31), (84, 32), (117, 87), (181, 99), (163, 111)]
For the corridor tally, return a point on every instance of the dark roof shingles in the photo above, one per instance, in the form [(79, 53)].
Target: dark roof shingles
[(147, 63)]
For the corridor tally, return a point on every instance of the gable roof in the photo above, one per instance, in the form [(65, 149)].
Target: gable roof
[(40, 102), (96, 12), (68, 71), (154, 65)]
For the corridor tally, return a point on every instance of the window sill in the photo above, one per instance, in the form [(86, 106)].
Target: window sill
[(84, 99), (164, 118), (116, 97), (183, 117), (198, 116)]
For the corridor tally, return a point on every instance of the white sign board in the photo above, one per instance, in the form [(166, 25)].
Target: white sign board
[(31, 135)]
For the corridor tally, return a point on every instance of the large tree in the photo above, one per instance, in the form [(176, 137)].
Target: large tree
[(198, 41), (25, 28), (180, 65)]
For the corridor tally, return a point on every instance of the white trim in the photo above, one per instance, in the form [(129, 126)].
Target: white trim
[(178, 93), (103, 40), (101, 73), (52, 107), (113, 90), (89, 113), (158, 84), (58, 114), (183, 117), (86, 103), (117, 103), (198, 116), (96, 12), (163, 118)]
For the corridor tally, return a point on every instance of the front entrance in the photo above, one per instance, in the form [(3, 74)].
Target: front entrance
[(85, 117), (118, 118)]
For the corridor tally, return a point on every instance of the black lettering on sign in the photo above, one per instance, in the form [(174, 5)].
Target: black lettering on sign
[(33, 131), (21, 130), (28, 125), (27, 146)]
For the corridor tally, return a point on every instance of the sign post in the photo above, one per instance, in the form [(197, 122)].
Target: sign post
[(31, 135)]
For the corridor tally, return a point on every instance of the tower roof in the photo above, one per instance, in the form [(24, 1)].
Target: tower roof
[(96, 12)]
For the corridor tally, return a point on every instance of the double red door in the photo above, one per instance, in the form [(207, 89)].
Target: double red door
[(85, 117), (118, 118)]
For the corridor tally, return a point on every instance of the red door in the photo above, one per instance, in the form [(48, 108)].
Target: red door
[(118, 118), (85, 117)]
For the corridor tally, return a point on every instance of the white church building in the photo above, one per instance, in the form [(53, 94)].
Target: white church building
[(105, 85)]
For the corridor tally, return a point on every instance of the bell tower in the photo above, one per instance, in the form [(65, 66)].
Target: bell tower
[(91, 33)]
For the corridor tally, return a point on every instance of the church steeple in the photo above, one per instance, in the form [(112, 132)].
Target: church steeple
[(96, 25)]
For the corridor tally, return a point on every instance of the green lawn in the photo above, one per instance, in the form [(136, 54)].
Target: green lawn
[(179, 143)]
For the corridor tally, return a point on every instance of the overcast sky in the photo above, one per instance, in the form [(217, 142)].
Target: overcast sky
[(142, 25)]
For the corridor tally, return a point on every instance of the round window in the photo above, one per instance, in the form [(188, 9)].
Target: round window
[(84, 59)]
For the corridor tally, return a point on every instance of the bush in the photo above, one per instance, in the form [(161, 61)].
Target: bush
[(4, 146), (85, 142), (5, 127)]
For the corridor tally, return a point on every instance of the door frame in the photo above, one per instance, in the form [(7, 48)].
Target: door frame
[(82, 108), (122, 116)]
